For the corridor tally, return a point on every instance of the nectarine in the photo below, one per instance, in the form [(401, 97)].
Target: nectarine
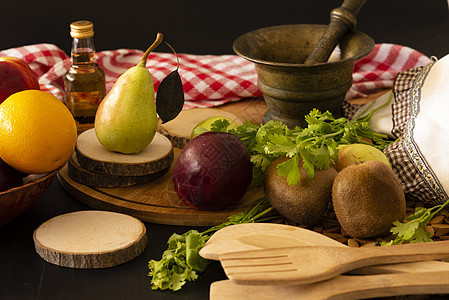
[(15, 76)]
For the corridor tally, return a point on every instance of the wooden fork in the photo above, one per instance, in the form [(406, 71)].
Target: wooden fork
[(308, 264)]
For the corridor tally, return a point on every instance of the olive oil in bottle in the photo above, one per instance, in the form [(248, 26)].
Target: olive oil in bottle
[(84, 82)]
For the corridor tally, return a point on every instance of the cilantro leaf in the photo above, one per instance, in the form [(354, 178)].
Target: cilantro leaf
[(307, 163), (177, 280), (262, 161), (194, 242), (413, 231), (421, 236), (405, 230), (316, 144), (419, 213), (280, 144), (181, 261), (220, 125), (289, 169)]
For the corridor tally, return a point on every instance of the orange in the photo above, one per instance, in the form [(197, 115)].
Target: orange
[(37, 132)]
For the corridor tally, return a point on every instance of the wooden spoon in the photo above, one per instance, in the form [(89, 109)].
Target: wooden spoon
[(253, 236), (309, 264), (340, 287)]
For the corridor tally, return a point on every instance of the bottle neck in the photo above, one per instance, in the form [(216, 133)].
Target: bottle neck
[(83, 51)]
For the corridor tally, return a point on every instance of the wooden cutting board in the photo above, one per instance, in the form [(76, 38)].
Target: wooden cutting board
[(156, 201)]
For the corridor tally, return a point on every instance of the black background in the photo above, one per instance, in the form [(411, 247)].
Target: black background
[(210, 27)]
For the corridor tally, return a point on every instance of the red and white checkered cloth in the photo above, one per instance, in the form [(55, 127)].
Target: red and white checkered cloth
[(211, 80)]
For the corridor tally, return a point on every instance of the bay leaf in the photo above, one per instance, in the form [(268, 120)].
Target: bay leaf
[(170, 94), (170, 97)]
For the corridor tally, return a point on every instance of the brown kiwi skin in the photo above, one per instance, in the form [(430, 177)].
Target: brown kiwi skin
[(305, 203), (367, 199)]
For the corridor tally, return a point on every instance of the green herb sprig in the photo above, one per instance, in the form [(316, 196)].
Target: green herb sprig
[(317, 144), (412, 231), (181, 261)]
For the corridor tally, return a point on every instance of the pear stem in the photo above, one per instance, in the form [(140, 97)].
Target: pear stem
[(176, 54), (143, 60)]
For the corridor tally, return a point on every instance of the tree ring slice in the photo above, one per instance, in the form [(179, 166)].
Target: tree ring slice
[(90, 239), (180, 129), (91, 155), (101, 180)]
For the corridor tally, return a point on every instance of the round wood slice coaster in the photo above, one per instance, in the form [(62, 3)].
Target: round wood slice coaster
[(91, 155), (179, 129), (90, 239), (89, 178)]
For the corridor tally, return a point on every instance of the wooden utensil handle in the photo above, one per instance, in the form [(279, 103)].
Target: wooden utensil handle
[(389, 285), (342, 19), (402, 253), (341, 287)]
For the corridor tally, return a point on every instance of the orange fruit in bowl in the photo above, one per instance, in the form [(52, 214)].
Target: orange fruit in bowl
[(37, 132)]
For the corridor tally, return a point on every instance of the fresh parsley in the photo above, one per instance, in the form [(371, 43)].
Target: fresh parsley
[(317, 144), (181, 261), (412, 231), (220, 125)]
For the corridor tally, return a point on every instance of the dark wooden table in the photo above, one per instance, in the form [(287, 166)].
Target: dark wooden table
[(25, 275)]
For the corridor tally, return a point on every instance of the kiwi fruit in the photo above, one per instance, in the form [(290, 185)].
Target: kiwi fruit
[(367, 199), (305, 203)]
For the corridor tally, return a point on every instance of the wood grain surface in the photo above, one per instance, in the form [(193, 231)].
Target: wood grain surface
[(156, 201), (90, 239), (179, 130), (254, 236), (91, 155), (310, 264), (340, 287)]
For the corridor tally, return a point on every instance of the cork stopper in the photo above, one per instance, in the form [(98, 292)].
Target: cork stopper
[(82, 29)]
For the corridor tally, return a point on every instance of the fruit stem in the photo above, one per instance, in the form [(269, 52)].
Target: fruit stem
[(143, 60), (176, 54)]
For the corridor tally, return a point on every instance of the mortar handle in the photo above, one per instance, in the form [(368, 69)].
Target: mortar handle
[(342, 19)]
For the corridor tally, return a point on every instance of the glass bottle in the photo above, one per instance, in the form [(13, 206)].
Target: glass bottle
[(84, 82)]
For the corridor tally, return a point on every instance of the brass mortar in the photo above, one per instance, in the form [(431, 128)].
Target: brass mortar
[(290, 88)]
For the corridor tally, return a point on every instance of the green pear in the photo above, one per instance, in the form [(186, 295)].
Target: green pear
[(126, 119)]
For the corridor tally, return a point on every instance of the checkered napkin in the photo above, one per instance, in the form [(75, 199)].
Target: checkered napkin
[(418, 179), (211, 80)]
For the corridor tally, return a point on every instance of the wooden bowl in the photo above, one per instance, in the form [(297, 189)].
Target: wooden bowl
[(16, 201)]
